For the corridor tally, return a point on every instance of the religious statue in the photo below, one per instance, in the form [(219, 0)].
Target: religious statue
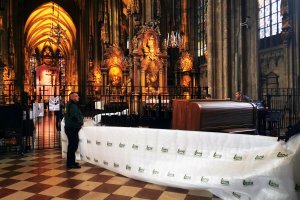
[(149, 49), (152, 75), (186, 62), (134, 42), (115, 76), (186, 81)]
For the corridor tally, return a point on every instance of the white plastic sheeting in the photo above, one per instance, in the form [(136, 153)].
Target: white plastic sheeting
[(228, 165), (97, 118)]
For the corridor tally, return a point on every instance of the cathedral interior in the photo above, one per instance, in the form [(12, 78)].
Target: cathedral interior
[(147, 46), (141, 55), (135, 51), (146, 62)]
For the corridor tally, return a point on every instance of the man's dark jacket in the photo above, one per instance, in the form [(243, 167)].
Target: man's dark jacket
[(73, 116)]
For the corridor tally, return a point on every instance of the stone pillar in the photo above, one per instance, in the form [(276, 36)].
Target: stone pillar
[(135, 74), (142, 77), (1, 86), (165, 76), (210, 69), (218, 49), (148, 8), (160, 76), (114, 21), (251, 76)]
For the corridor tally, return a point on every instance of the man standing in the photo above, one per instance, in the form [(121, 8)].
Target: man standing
[(73, 123)]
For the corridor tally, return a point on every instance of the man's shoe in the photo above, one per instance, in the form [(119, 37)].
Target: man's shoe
[(73, 166)]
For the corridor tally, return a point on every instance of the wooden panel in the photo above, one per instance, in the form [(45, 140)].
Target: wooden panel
[(179, 114), (212, 115)]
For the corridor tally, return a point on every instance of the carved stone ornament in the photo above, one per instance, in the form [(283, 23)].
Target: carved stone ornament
[(287, 29), (185, 62)]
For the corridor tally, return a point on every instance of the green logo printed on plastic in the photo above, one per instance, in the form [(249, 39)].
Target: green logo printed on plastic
[(105, 162), (238, 196), (141, 170), (237, 157), (89, 141), (134, 146), (148, 148), (128, 167), (204, 180), (155, 172), (116, 165), (88, 158), (98, 142), (95, 160), (181, 152), (164, 150), (109, 144), (186, 177), (217, 155), (224, 182), (259, 157), (281, 155), (198, 153), (273, 184), (121, 145), (170, 174), (247, 183)]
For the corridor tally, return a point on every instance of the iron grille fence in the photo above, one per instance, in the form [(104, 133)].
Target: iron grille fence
[(283, 105), (119, 106)]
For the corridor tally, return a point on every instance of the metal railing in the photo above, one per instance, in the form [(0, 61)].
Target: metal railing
[(140, 105), (286, 102)]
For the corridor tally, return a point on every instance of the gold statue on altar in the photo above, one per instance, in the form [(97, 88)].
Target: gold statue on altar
[(116, 65), (115, 76), (185, 68), (186, 62), (151, 63)]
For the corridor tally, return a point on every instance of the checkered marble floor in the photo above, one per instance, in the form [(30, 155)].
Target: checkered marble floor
[(43, 175)]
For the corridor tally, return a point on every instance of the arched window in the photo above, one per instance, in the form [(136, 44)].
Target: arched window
[(269, 21), (201, 32)]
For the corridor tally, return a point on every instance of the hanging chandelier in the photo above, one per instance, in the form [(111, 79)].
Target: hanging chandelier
[(57, 33), (174, 39)]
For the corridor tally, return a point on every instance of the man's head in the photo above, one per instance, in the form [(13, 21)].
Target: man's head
[(208, 97), (238, 96), (74, 96)]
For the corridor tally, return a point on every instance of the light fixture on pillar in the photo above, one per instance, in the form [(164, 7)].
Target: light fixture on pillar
[(57, 33), (1, 22), (174, 38)]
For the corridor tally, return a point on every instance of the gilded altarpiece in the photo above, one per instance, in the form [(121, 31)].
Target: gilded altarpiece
[(115, 70), (7, 84), (149, 63), (185, 69)]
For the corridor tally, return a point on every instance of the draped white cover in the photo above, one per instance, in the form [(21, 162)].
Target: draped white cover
[(228, 165)]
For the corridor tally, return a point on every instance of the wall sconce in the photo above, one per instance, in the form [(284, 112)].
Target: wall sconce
[(1, 22)]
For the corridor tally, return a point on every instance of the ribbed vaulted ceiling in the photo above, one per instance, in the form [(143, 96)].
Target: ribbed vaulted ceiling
[(38, 28)]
